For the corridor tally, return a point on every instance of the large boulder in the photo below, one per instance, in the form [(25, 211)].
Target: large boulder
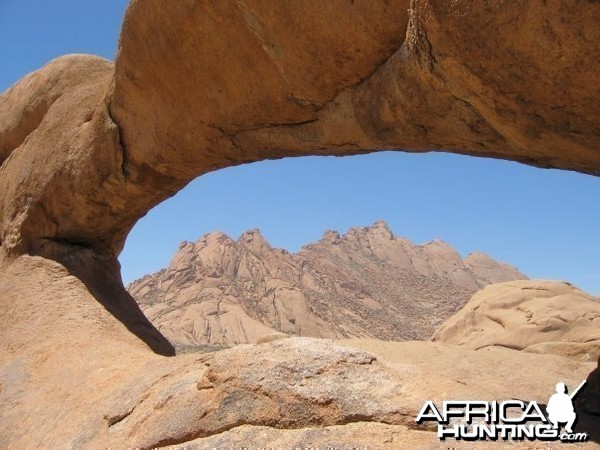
[(531, 315)]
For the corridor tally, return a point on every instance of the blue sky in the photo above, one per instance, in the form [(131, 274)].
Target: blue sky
[(546, 222)]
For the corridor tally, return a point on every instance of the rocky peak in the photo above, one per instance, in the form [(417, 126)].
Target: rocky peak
[(331, 236), (489, 270), (183, 244), (380, 229), (442, 249), (479, 258), (254, 241), (183, 256), (213, 243), (214, 237)]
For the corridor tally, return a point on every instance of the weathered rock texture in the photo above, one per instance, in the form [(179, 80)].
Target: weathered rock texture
[(87, 147), (366, 283), (423, 370), (206, 86), (74, 379), (533, 316)]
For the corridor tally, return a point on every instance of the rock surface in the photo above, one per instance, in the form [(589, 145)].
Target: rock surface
[(88, 147), (105, 143), (403, 374), (533, 316), (359, 435), (366, 283), (91, 383)]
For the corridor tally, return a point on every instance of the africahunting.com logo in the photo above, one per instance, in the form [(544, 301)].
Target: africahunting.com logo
[(510, 419)]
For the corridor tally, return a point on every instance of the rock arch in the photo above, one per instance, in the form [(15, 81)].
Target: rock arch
[(88, 147)]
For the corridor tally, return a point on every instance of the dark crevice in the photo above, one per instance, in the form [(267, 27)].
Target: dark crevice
[(68, 242), (114, 420), (507, 346), (233, 134), (120, 143)]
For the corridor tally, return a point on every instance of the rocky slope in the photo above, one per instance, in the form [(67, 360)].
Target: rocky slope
[(366, 283)]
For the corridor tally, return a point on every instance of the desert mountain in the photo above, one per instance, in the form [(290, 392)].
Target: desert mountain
[(366, 283)]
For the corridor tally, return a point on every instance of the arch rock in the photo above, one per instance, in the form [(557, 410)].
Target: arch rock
[(87, 147)]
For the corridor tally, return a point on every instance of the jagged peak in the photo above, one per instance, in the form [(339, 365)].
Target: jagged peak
[(479, 256), (214, 237), (440, 247), (438, 244), (380, 223), (253, 239), (435, 241), (253, 233), (377, 226), (207, 240), (330, 235), (215, 234), (183, 244), (381, 228), (481, 259)]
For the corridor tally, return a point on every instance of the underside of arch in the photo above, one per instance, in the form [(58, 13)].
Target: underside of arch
[(88, 147)]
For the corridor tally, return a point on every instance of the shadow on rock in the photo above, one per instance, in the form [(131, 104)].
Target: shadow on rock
[(101, 275)]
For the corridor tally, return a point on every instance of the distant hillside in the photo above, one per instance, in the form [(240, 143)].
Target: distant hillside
[(366, 283)]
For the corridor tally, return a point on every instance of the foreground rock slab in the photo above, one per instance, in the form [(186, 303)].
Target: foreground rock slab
[(90, 383), (433, 374)]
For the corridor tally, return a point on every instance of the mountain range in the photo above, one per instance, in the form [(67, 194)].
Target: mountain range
[(366, 283)]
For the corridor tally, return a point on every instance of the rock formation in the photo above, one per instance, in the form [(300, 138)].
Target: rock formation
[(366, 283), (533, 316), (106, 143), (87, 147)]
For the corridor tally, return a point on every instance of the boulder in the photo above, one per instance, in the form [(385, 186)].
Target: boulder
[(535, 316)]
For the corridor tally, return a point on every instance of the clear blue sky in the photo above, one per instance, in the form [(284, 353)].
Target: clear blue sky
[(545, 222)]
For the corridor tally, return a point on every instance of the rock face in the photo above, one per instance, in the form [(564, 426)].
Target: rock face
[(366, 283), (66, 390), (298, 381), (533, 316), (87, 147), (106, 143)]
